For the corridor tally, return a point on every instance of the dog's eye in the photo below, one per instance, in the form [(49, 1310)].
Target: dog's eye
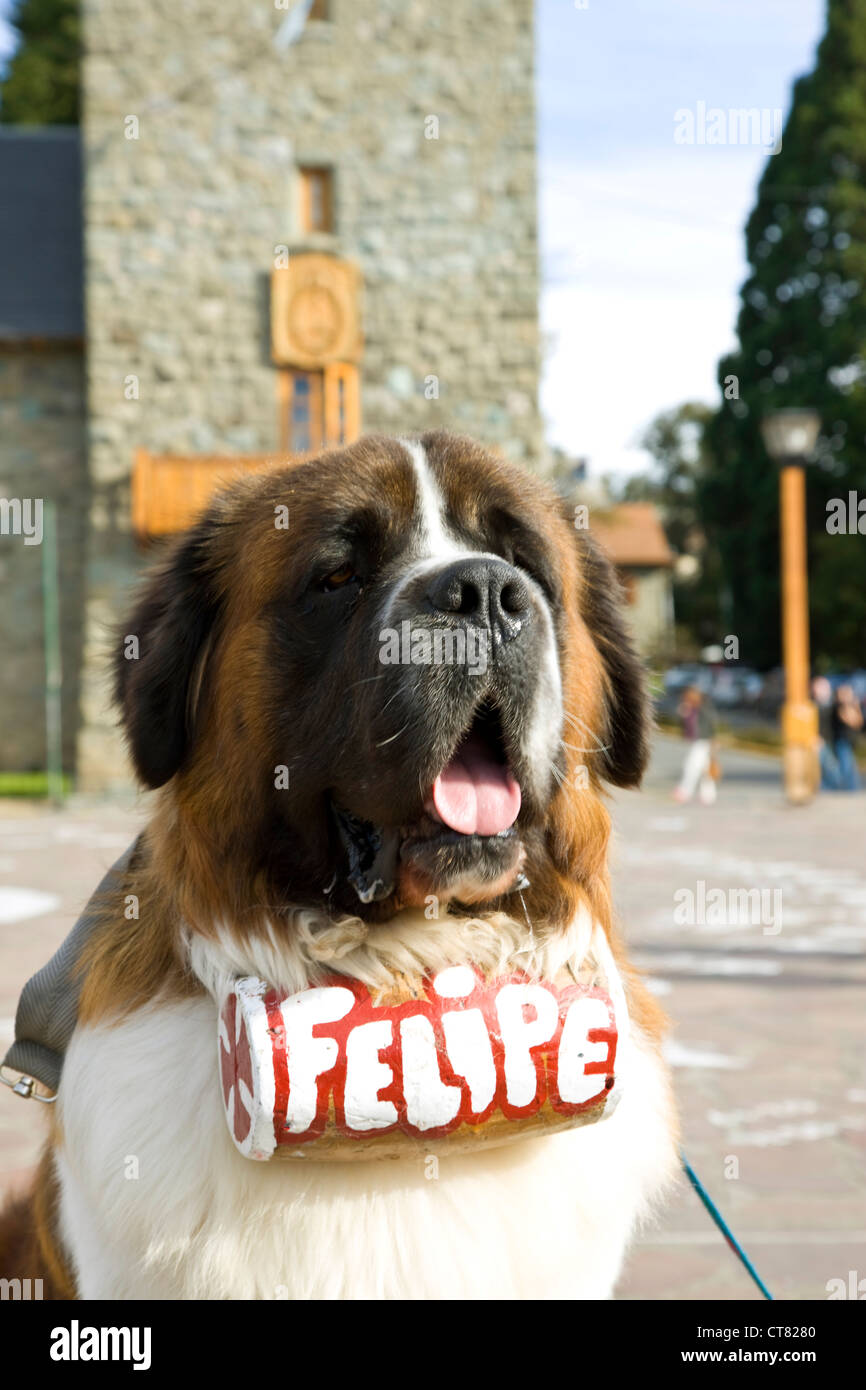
[(338, 578), (522, 563), (535, 572)]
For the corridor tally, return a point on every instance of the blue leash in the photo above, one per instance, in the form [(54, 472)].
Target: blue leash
[(723, 1226)]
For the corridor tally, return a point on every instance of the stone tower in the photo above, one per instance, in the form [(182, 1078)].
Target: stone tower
[(296, 228)]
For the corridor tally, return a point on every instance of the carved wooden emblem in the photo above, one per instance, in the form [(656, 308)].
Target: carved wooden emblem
[(314, 312)]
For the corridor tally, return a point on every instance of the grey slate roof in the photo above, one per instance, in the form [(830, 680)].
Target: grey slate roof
[(41, 274)]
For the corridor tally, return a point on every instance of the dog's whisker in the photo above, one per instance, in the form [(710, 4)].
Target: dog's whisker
[(578, 723), (531, 944), (394, 736), (576, 748), (401, 690), (582, 727), (366, 680)]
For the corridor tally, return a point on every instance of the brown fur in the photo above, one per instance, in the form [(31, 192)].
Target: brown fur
[(128, 963), (197, 864), (28, 1235), (198, 710)]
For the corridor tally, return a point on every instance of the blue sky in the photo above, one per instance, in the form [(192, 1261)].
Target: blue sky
[(641, 237), (6, 40)]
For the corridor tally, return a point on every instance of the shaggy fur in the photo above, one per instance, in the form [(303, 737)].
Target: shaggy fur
[(257, 651)]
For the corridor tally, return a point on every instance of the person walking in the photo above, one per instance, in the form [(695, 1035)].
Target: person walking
[(846, 722), (699, 728), (822, 694)]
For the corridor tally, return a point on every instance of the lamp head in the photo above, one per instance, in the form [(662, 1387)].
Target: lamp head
[(790, 434)]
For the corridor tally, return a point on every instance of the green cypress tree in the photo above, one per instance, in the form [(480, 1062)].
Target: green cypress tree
[(802, 335), (41, 86)]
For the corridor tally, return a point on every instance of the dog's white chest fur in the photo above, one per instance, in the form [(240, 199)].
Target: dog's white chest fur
[(157, 1203)]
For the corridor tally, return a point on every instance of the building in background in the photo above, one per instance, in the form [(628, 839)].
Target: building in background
[(293, 232), (633, 536), (42, 426)]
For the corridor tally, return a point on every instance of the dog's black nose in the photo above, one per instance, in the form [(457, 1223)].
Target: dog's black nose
[(488, 592)]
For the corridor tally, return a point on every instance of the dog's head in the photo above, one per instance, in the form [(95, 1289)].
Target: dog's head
[(395, 671)]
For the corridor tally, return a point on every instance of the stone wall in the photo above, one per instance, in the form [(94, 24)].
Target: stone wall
[(652, 611), (41, 456), (182, 221)]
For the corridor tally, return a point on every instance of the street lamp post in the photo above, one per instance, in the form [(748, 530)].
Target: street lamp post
[(790, 437)]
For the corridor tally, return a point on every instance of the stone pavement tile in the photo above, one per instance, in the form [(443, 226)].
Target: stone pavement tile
[(774, 1175), (856, 1143), (65, 854), (713, 1290), (803, 1271), (683, 1272), (711, 1271), (829, 1216)]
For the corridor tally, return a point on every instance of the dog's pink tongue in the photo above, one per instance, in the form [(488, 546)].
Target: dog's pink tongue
[(474, 794)]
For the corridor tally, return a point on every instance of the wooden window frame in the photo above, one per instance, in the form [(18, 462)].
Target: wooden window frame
[(335, 405), (308, 176)]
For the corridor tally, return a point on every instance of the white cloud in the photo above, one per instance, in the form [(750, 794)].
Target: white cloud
[(640, 299), (642, 239), (8, 37)]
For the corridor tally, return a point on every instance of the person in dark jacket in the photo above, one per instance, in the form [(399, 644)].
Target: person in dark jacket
[(846, 721)]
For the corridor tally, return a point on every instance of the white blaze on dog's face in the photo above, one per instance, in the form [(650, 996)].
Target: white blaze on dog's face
[(371, 702), (462, 606)]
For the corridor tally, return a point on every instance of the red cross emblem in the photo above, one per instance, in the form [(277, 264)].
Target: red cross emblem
[(236, 1070)]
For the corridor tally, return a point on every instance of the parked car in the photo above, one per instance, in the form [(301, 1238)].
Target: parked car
[(735, 686), (728, 686), (689, 673), (772, 695)]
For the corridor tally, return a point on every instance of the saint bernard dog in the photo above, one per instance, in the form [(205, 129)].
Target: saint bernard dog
[(380, 693)]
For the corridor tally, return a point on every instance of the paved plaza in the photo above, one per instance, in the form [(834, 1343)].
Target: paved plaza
[(749, 919)]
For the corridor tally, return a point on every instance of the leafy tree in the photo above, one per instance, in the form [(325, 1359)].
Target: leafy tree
[(802, 334), (676, 441), (41, 86)]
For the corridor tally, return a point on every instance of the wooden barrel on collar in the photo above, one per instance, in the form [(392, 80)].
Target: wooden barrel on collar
[(449, 1063)]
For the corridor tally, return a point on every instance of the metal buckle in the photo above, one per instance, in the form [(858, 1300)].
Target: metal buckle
[(25, 1087)]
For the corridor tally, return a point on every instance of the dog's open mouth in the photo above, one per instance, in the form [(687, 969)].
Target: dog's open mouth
[(476, 793), (465, 837)]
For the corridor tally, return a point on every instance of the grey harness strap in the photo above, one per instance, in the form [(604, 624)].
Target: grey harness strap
[(48, 1008)]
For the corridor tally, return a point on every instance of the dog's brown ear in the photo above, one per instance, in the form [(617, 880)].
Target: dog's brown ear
[(157, 669), (626, 737)]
